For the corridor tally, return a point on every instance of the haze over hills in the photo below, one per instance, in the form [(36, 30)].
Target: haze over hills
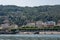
[(30, 3), (22, 15)]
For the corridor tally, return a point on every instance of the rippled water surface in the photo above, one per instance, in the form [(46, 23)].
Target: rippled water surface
[(29, 37)]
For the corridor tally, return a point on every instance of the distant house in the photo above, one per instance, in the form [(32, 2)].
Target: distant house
[(50, 23), (1, 27), (44, 24), (58, 23), (30, 24), (5, 25), (6, 21), (39, 23), (14, 26)]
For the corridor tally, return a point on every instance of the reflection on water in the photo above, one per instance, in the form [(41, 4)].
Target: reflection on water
[(29, 37)]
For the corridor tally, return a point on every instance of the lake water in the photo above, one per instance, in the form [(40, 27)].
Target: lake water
[(29, 37)]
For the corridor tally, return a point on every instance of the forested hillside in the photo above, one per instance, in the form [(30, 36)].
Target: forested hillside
[(22, 15)]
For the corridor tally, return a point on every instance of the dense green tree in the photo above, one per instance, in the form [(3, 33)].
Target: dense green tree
[(21, 15)]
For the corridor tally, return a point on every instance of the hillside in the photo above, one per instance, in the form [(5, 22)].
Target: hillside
[(22, 15)]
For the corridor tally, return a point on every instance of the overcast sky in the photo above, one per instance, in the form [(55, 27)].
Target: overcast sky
[(29, 2)]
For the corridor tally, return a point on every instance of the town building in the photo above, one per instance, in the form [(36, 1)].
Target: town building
[(50, 23), (58, 23), (5, 24), (14, 26), (44, 24), (39, 24), (30, 24)]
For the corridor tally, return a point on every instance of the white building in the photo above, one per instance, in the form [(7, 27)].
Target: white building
[(44, 24), (39, 23), (31, 24), (14, 26), (58, 24), (5, 25), (50, 23)]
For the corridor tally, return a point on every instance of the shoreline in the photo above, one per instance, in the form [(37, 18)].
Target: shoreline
[(42, 33)]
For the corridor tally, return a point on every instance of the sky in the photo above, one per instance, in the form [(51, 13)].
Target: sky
[(30, 3)]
